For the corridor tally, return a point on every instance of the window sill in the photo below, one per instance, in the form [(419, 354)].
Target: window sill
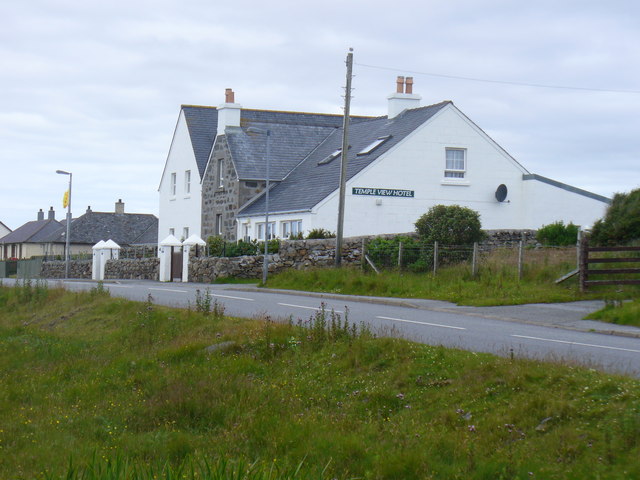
[(172, 199), (454, 182), (187, 197)]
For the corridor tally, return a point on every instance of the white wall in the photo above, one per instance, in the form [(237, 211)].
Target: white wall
[(180, 210), (418, 164), (547, 204)]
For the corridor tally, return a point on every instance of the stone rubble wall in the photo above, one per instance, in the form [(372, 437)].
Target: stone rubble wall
[(56, 269), (132, 269), (299, 254)]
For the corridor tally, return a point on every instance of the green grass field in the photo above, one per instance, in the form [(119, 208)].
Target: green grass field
[(96, 387), (496, 282)]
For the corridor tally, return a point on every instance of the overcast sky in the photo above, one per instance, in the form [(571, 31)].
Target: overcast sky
[(95, 87)]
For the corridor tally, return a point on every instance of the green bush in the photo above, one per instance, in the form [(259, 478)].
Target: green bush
[(558, 234), (621, 223), (450, 225), (241, 248), (215, 246), (384, 252), (273, 247), (320, 233)]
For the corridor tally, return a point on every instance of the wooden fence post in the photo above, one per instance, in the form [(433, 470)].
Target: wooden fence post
[(363, 259), (435, 257), (584, 264), (474, 260), (520, 260), (400, 255)]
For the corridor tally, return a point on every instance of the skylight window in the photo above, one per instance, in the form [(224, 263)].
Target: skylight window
[(330, 157), (373, 145)]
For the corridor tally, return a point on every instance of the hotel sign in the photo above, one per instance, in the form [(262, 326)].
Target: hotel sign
[(382, 192)]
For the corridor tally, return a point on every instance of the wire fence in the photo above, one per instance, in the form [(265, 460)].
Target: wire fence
[(418, 257)]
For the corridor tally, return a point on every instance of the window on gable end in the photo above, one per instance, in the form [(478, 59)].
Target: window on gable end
[(173, 183), (187, 181), (456, 163), (373, 145)]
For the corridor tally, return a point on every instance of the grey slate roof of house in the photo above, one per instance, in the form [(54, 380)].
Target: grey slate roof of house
[(32, 232), (293, 136), (202, 123), (309, 183), (122, 228)]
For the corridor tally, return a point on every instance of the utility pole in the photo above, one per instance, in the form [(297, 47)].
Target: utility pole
[(343, 158)]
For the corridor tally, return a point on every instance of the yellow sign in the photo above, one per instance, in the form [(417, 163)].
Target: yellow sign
[(65, 199)]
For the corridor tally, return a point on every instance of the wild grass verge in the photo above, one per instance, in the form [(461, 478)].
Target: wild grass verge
[(617, 311), (134, 390), (496, 282)]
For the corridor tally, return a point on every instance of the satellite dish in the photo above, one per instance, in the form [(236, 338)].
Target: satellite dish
[(501, 192)]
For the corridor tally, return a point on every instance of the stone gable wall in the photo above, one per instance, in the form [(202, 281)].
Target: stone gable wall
[(220, 200)]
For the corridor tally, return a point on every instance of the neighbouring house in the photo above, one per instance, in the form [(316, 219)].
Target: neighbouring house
[(126, 229), (4, 230), (399, 166), (48, 237), (31, 238)]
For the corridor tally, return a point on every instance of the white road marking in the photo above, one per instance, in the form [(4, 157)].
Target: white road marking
[(577, 343), (308, 308), (421, 323), (111, 285), (168, 290), (233, 298)]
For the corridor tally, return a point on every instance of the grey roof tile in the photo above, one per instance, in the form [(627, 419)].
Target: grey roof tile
[(202, 123), (309, 182), (294, 136), (32, 232), (122, 228)]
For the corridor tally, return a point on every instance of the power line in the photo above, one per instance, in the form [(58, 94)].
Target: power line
[(501, 82)]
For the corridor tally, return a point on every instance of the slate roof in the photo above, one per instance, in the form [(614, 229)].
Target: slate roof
[(294, 135), (309, 183), (32, 232), (122, 228), (202, 123)]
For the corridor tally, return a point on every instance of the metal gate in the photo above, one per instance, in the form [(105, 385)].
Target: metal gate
[(29, 268)]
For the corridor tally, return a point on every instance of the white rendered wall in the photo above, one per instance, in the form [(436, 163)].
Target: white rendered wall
[(182, 209), (418, 164), (548, 204)]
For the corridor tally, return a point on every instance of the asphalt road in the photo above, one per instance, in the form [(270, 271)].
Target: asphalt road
[(553, 332)]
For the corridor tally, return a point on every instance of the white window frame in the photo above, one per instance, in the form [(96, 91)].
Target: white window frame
[(452, 170), (220, 173), (185, 232), (187, 182), (219, 224), (172, 231), (260, 230), (174, 178), (291, 228)]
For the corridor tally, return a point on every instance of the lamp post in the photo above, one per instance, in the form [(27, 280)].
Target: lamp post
[(66, 249), (265, 265)]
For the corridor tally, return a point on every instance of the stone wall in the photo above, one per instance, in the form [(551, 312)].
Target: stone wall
[(297, 254), (142, 269), (56, 269)]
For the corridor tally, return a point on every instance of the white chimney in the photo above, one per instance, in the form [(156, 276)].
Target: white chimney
[(228, 112), (403, 98)]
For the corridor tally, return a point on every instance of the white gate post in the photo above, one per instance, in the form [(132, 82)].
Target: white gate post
[(164, 252), (110, 250), (190, 242), (96, 271)]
